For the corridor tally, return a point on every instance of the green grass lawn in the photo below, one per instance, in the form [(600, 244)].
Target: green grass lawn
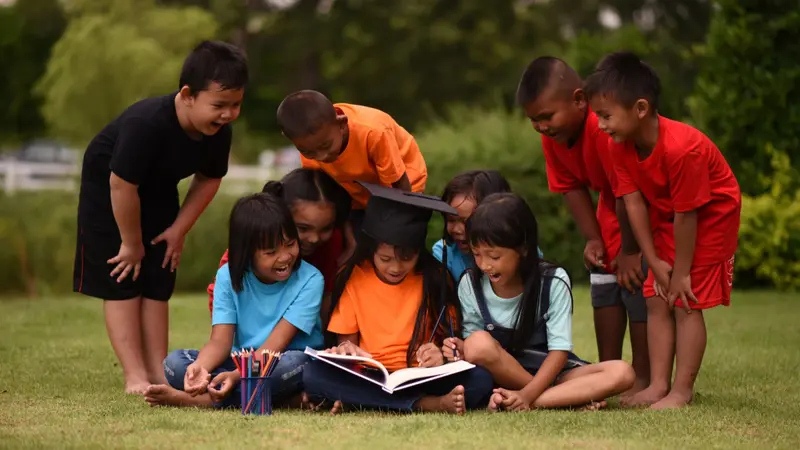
[(60, 387)]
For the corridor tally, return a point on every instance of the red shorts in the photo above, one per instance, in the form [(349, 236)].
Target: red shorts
[(711, 285)]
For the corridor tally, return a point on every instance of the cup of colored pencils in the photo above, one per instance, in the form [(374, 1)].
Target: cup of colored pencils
[(255, 368)]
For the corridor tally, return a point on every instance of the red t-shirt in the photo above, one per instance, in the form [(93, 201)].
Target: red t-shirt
[(323, 258), (587, 163), (685, 172)]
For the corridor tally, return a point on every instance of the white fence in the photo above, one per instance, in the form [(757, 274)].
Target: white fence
[(30, 176)]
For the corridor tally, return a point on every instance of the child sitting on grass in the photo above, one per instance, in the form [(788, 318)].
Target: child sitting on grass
[(518, 318), (265, 298)]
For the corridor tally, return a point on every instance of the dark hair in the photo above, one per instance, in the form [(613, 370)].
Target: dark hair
[(625, 77), (303, 113), (506, 220), (312, 185), (433, 272), (257, 222), (474, 184), (214, 62), (538, 76)]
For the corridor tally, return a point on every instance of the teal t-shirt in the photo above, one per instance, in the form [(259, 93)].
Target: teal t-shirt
[(258, 308), (504, 310)]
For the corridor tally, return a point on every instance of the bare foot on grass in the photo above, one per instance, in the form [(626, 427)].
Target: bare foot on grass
[(166, 395), (645, 397), (594, 406), (638, 386), (136, 387), (673, 400), (452, 402)]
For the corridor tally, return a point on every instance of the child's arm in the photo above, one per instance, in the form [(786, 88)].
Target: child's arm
[(685, 229), (126, 208), (201, 192), (403, 183), (629, 261), (582, 208), (211, 356), (385, 154), (640, 224)]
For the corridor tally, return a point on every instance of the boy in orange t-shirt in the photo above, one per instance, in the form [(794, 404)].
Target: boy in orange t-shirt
[(688, 233), (352, 143)]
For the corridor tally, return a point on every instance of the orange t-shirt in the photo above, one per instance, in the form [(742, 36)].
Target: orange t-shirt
[(378, 151), (382, 314)]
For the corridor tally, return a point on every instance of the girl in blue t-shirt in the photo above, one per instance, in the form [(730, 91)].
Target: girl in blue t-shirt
[(517, 318), (265, 297), (464, 192)]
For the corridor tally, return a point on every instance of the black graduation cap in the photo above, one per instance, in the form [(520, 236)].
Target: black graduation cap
[(398, 217)]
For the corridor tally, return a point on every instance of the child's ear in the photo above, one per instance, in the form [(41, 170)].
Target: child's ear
[(642, 107), (342, 120), (579, 98), (186, 95)]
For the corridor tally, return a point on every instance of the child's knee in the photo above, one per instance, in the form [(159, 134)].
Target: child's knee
[(622, 374), (175, 365), (481, 348)]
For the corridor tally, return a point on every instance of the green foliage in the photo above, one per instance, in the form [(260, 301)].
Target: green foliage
[(496, 139), (112, 56), (748, 92), (769, 237)]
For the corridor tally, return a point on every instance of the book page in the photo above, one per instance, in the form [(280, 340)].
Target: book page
[(403, 376)]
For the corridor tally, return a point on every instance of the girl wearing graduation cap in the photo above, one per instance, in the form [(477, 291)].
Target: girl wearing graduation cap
[(517, 315), (386, 303)]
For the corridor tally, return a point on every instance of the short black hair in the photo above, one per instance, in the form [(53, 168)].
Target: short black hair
[(214, 62), (257, 222), (626, 78), (474, 184), (538, 76), (303, 113), (312, 185)]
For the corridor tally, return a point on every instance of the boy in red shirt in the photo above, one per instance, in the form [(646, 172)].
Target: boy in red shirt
[(352, 143), (577, 160), (689, 232)]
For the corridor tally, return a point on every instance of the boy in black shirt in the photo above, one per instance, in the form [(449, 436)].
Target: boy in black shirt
[(131, 225)]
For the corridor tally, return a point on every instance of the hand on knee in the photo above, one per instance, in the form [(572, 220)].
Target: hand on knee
[(481, 349)]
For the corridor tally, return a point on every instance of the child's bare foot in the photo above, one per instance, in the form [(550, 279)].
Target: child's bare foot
[(673, 400), (136, 387), (166, 395), (594, 406), (645, 397), (452, 402), (639, 385), (338, 408), (496, 403)]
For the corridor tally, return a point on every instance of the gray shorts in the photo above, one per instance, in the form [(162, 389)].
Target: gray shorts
[(606, 292)]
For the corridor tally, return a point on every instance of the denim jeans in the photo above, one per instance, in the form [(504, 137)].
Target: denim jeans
[(322, 380), (286, 380)]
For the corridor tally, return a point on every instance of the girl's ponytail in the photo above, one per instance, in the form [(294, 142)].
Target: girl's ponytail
[(275, 188)]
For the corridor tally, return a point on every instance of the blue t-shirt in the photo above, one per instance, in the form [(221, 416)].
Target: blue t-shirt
[(457, 262), (258, 307), (504, 311)]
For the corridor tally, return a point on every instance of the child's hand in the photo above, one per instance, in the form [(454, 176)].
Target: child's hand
[(129, 258), (348, 348), (593, 254), (662, 272), (681, 287), (174, 239), (453, 349), (508, 400), (196, 380), (223, 384), (429, 355), (629, 271)]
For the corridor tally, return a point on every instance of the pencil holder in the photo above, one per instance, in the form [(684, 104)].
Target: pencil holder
[(256, 396)]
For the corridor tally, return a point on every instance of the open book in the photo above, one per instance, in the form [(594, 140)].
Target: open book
[(375, 372)]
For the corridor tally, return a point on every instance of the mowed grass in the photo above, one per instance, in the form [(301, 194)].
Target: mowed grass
[(60, 387)]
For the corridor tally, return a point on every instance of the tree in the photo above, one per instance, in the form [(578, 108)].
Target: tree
[(748, 91), (113, 53)]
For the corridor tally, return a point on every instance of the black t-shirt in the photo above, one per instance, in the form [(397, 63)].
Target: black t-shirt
[(146, 146)]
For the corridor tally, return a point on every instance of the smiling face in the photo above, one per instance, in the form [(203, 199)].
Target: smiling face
[(276, 264), (391, 266), (557, 114), (325, 144), (315, 223), (456, 227), (614, 119), (211, 109), (500, 264)]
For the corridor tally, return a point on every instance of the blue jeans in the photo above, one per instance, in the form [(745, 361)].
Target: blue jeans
[(322, 380), (286, 380)]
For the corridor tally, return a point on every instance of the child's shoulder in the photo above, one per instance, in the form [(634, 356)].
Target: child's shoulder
[(223, 274), (365, 117), (680, 136), (307, 272), (556, 273)]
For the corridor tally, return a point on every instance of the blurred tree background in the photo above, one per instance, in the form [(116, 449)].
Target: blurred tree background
[(445, 69)]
